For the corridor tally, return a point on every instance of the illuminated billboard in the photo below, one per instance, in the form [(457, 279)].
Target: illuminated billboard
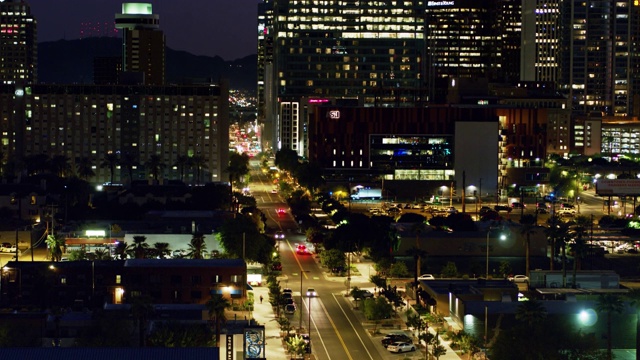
[(608, 187)]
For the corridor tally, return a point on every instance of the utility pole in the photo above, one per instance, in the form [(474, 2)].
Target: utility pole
[(521, 202), (464, 184)]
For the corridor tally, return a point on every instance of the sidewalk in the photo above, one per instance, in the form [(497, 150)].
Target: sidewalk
[(263, 313), (365, 268)]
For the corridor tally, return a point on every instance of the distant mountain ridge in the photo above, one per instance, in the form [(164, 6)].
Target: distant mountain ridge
[(71, 62)]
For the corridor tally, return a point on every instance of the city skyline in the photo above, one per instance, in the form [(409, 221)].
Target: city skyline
[(228, 27)]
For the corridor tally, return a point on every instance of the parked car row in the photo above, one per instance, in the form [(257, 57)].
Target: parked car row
[(398, 343), (8, 248)]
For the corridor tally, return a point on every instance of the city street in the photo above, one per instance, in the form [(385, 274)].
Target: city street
[(336, 329)]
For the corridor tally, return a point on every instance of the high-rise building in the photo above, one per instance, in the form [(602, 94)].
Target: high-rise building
[(371, 50), (265, 73), (463, 40), (18, 43), (143, 43), (599, 56), (540, 40), (347, 49)]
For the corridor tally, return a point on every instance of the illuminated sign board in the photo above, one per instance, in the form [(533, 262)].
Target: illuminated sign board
[(440, 3), (334, 114), (100, 233), (318, 101), (137, 8), (618, 187)]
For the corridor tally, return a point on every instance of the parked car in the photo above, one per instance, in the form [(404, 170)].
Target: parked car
[(399, 347), (307, 342), (287, 291), (394, 210), (519, 279), (8, 249), (290, 309), (393, 338), (567, 206), (426, 277), (276, 266), (366, 294), (5, 247), (289, 301), (566, 212), (483, 210), (499, 208)]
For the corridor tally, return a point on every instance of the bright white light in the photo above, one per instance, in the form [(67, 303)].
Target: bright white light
[(587, 317)]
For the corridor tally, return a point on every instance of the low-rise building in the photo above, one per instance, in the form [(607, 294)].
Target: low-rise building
[(93, 283)]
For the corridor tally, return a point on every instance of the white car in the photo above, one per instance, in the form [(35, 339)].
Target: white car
[(426, 277), (399, 347), (9, 249), (566, 212), (311, 292), (519, 279)]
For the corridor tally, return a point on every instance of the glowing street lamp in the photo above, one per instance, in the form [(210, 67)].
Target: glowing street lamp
[(502, 237)]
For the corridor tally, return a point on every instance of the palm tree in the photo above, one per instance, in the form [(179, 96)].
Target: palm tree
[(121, 250), (531, 312), (59, 165), (36, 164), (140, 246), (84, 168), (141, 309), (609, 304), (55, 243), (198, 163), (557, 232), (579, 246), (128, 162), (197, 246), (418, 228), (216, 305), (161, 249), (154, 166), (417, 254), (182, 163), (528, 222), (102, 254), (634, 300), (110, 161), (238, 167)]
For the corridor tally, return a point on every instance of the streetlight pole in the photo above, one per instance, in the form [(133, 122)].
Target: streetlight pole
[(301, 297), (309, 321), (486, 275), (502, 237)]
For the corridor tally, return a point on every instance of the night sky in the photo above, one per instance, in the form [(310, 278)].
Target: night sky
[(227, 28)]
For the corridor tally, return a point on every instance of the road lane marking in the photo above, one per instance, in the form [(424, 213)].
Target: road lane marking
[(353, 327), (295, 256), (317, 331), (335, 329)]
